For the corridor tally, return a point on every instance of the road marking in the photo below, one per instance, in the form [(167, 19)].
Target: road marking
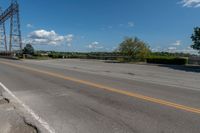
[(110, 89), (29, 110)]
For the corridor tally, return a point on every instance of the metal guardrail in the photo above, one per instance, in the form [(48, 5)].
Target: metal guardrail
[(6, 54)]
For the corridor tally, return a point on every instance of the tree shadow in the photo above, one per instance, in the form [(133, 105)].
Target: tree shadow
[(183, 68)]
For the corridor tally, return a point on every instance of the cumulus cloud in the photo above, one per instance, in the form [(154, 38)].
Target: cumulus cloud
[(95, 45), (190, 3), (43, 37), (177, 43)]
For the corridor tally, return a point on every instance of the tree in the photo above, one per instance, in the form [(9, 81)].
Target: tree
[(28, 49), (196, 39), (135, 48)]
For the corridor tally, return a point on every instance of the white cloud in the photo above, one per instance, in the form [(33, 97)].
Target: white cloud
[(69, 39), (131, 24), (188, 50), (43, 37), (29, 26), (95, 45), (172, 48), (177, 43), (182, 50), (190, 3), (156, 49)]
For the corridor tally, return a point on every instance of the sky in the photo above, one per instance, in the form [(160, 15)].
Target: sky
[(101, 25)]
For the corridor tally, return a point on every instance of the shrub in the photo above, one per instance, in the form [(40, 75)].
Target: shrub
[(123, 59), (134, 48), (28, 49), (168, 60), (55, 56)]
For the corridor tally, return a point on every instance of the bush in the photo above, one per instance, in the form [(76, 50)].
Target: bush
[(28, 49), (55, 56), (134, 48), (167, 60), (124, 59)]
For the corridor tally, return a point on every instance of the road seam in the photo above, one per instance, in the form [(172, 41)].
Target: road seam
[(29, 110), (110, 89)]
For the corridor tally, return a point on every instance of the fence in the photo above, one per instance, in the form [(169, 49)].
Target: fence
[(6, 54)]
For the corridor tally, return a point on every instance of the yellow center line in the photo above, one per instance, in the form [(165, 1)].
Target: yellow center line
[(110, 89)]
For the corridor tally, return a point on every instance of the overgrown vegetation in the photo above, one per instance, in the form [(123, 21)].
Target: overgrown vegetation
[(167, 60), (28, 49), (167, 54), (134, 48), (130, 50), (153, 57)]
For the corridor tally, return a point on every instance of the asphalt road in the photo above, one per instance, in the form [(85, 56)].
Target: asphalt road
[(74, 101)]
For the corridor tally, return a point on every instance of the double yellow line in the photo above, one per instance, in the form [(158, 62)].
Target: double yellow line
[(107, 88)]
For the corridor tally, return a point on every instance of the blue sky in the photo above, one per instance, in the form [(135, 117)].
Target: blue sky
[(100, 25)]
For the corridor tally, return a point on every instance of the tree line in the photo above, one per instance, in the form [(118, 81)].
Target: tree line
[(130, 49)]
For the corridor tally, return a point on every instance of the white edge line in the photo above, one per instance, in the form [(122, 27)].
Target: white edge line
[(30, 111)]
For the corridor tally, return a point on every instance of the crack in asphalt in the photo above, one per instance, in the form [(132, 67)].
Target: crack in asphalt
[(4, 101)]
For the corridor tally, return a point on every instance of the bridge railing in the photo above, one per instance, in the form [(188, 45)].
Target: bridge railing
[(7, 54)]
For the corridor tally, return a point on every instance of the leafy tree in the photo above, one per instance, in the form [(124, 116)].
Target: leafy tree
[(196, 39), (135, 48), (28, 49)]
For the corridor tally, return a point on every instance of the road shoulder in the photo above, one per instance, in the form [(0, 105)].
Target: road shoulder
[(11, 121)]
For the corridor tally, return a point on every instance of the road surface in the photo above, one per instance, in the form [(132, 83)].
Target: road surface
[(73, 97)]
